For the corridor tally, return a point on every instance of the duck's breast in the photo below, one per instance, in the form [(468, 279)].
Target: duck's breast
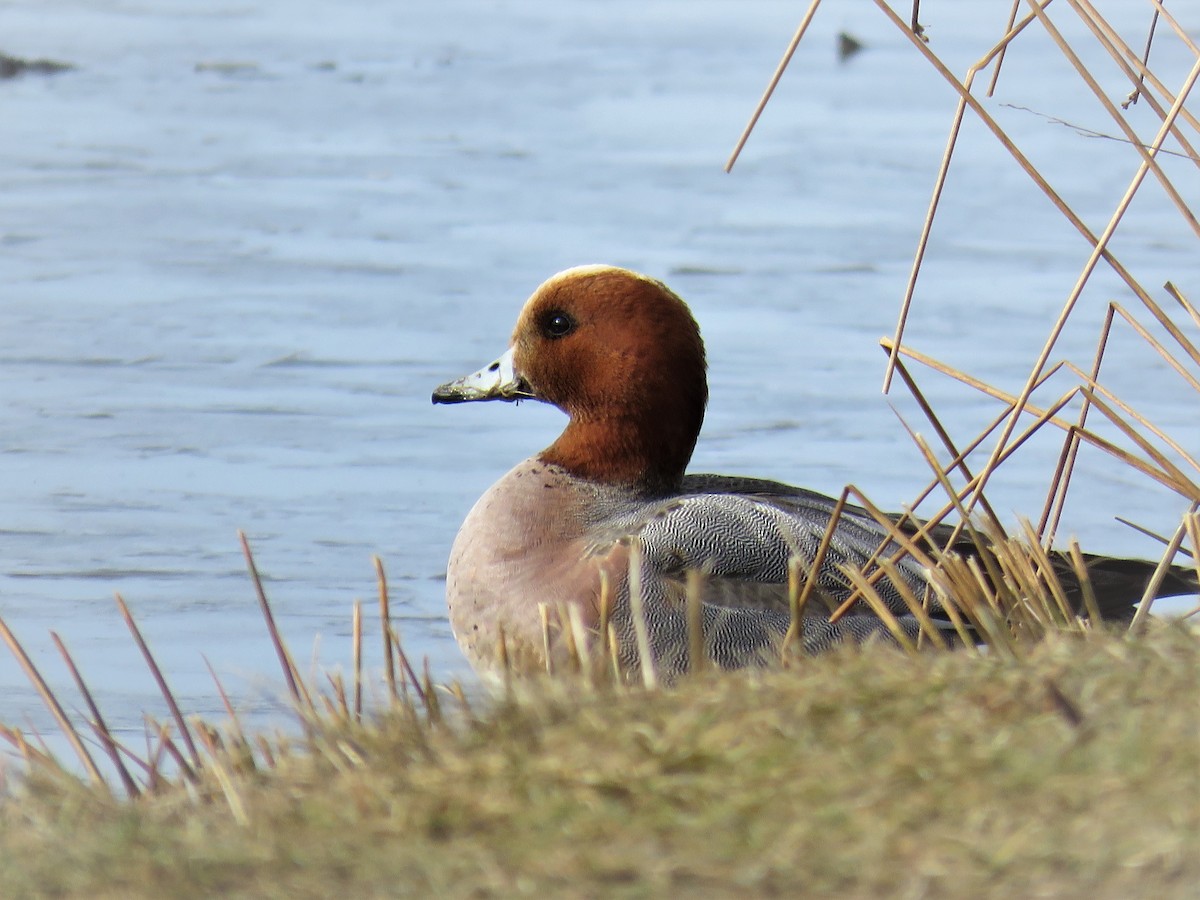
[(528, 541)]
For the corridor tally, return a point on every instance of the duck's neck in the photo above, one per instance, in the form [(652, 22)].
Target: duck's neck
[(648, 457)]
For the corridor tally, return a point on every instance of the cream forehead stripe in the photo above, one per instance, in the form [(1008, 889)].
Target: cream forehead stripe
[(592, 269)]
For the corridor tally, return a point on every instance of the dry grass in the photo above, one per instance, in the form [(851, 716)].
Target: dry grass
[(1069, 772), (1166, 324), (1063, 761)]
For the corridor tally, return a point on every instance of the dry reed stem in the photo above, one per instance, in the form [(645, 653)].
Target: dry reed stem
[(1033, 605), (1137, 91), (397, 647), (975, 443), (958, 459), (915, 607), (1160, 571), (991, 617), (33, 756), (1171, 328), (1060, 481), (1147, 153), (614, 655), (579, 641), (337, 706), (237, 733), (941, 475), (1099, 244), (961, 585), (99, 726), (1062, 474), (810, 584), (167, 746), (385, 619), (1171, 476), (1135, 69), (1140, 529), (1012, 20), (1010, 400), (637, 611), (433, 706), (1099, 251), (1180, 32), (1046, 576), (1184, 303), (51, 702), (885, 615), (907, 547), (290, 673), (356, 660), (1091, 390), (800, 574), (1156, 465), (771, 85), (1085, 583), (1047, 415), (160, 680), (605, 611), (233, 800), (939, 182), (973, 485), (547, 642), (1193, 529), (570, 645)]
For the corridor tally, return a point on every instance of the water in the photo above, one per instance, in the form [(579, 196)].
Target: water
[(242, 242)]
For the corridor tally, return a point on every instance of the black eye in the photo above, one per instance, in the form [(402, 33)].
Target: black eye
[(557, 324)]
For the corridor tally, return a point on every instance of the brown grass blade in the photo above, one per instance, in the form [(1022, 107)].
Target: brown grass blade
[(1183, 302), (356, 660), (99, 726), (638, 612), (1160, 572), (160, 680), (1085, 584), (51, 702), (1149, 163), (290, 673), (869, 595), (385, 619), (771, 85)]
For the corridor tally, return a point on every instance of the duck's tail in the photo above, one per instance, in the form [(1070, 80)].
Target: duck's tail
[(1119, 584)]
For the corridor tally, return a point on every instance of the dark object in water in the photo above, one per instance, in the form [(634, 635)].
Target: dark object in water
[(14, 66), (848, 45)]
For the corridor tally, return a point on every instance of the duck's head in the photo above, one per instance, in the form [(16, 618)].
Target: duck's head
[(621, 355)]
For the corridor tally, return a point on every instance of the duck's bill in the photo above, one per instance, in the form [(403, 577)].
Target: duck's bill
[(497, 381)]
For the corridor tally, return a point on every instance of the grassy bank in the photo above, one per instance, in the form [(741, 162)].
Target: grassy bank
[(1073, 772)]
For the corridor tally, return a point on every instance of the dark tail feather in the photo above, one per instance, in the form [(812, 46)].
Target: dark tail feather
[(1119, 583)]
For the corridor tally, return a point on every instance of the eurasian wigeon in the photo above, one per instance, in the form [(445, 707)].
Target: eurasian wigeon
[(621, 355)]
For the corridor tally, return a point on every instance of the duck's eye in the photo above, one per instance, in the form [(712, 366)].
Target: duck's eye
[(558, 324)]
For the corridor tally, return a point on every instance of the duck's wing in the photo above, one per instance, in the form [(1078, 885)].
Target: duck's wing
[(742, 541), (1116, 583), (742, 532)]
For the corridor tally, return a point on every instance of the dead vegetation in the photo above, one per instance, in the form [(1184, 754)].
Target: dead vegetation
[(1059, 758)]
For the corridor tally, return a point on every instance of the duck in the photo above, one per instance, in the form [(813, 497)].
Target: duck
[(597, 533)]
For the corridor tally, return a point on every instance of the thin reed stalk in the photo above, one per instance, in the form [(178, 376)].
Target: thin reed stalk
[(163, 688)]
